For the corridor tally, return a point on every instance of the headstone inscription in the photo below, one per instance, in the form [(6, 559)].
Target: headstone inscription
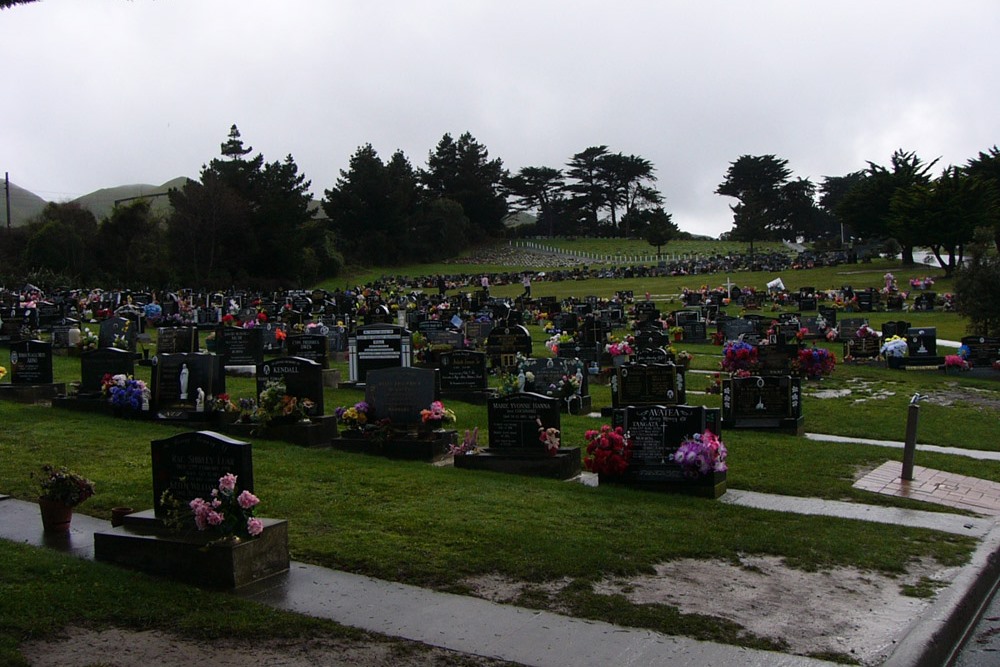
[(463, 371), (514, 422), (189, 465), (399, 394), (302, 379), (94, 365), (30, 362), (656, 432), (309, 346), (375, 346), (240, 347)]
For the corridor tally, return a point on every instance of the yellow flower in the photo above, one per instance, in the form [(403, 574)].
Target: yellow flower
[(3, 371)]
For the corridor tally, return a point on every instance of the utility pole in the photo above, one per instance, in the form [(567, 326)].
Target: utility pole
[(6, 189)]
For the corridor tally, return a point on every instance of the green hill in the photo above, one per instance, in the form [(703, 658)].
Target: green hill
[(102, 201), (24, 205)]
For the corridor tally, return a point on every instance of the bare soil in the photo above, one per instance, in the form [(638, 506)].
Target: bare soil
[(116, 647)]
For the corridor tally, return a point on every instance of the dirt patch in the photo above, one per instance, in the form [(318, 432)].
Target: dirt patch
[(956, 393), (843, 610), (126, 648)]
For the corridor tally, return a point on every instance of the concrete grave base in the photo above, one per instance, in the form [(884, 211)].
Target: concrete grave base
[(708, 486), (317, 432), (566, 464), (31, 393), (429, 447), (142, 544)]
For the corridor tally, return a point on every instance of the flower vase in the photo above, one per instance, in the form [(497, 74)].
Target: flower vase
[(619, 360), (56, 516)]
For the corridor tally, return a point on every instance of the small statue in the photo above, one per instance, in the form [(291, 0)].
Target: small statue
[(199, 403), (184, 381)]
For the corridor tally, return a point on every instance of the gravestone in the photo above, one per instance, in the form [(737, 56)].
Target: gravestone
[(176, 340), (375, 346), (681, 317), (848, 327), (921, 344), (763, 402), (897, 328), (695, 331), (399, 394), (924, 301), (894, 302), (94, 365), (30, 362), (272, 340), (653, 384), (505, 343), (189, 466), (117, 332), (176, 379), (477, 331), (546, 374), (828, 314), (514, 422), (865, 301), (463, 372), (309, 346), (776, 359), (302, 379), (566, 322), (650, 338), (733, 329), (514, 443), (239, 347), (586, 352), (983, 350), (656, 433)]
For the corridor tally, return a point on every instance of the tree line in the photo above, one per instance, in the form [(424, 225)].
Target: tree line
[(902, 204), (249, 222)]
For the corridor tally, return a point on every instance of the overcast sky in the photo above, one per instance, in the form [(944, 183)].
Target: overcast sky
[(110, 92)]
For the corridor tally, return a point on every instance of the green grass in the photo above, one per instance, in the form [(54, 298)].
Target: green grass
[(439, 527)]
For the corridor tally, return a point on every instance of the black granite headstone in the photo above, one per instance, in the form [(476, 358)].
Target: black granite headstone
[(514, 421), (463, 371), (240, 347), (399, 394), (30, 362), (94, 365), (189, 466), (302, 379)]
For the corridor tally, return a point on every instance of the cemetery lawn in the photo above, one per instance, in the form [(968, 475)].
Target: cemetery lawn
[(449, 529)]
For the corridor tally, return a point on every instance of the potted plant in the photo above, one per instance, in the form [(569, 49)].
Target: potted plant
[(437, 415), (61, 491), (677, 333)]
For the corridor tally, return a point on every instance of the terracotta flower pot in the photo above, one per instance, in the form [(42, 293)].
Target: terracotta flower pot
[(56, 516)]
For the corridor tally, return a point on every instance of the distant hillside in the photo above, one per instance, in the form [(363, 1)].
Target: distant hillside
[(102, 201), (24, 205)]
